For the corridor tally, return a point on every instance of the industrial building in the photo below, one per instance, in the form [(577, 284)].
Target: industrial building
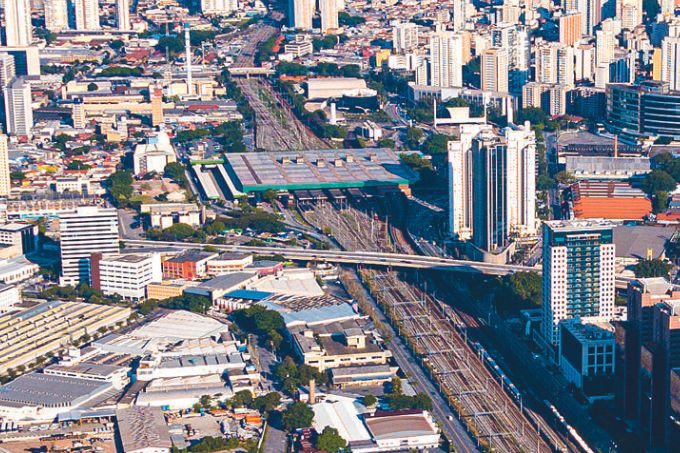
[(45, 328), (248, 173), (613, 200), (143, 429)]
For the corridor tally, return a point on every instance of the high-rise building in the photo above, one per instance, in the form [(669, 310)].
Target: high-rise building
[(404, 37), (494, 70), (578, 273), (300, 13), (7, 70), (218, 7), (328, 10), (18, 109), (125, 275), (591, 15), (26, 60), (605, 44), (492, 185), (88, 230), (629, 12), (56, 15), (87, 14), (670, 62), (123, 12), (446, 59), (515, 39), (18, 28), (5, 182), (551, 98), (570, 28), (555, 63), (78, 115), (157, 116)]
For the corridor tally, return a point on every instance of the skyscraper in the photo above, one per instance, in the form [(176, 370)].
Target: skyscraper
[(570, 28), (578, 273), (591, 14), (629, 12), (492, 185), (56, 15), (18, 28), (670, 62), (300, 13), (78, 115), (494, 70), (88, 230), (5, 181), (404, 37), (7, 70), (446, 59), (555, 63), (329, 15), (123, 12), (18, 110), (87, 14)]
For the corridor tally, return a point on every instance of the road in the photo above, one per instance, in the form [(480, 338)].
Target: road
[(129, 226), (367, 258), (451, 426)]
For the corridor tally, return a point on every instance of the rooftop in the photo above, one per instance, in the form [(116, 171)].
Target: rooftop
[(568, 226), (193, 256), (316, 169), (38, 389), (142, 428), (395, 425), (636, 241)]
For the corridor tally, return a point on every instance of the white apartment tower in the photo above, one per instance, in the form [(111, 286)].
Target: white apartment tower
[(5, 182), (404, 37), (629, 12), (578, 273), (446, 59), (492, 185), (56, 15), (555, 63), (18, 28), (87, 14), (18, 109), (670, 62), (328, 10), (7, 70), (301, 13), (123, 11), (88, 230), (218, 7)]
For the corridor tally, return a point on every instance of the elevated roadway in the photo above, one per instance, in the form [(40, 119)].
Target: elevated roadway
[(368, 258)]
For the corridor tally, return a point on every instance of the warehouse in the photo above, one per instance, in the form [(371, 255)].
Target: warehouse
[(313, 170)]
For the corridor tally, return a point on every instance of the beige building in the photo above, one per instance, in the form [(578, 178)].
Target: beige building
[(5, 181), (494, 70), (165, 290)]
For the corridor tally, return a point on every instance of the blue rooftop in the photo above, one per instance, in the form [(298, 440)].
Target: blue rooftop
[(248, 294)]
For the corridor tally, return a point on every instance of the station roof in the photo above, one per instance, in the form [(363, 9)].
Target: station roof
[(317, 169)]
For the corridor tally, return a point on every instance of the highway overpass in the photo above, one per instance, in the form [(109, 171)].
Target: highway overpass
[(337, 256)]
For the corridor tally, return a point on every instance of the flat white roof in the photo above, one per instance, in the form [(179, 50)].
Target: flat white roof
[(340, 413)]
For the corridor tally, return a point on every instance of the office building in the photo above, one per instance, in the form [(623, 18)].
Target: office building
[(125, 275), (554, 63), (646, 353), (404, 37), (88, 230), (494, 70), (446, 59), (18, 28), (26, 60), (18, 108), (189, 265), (123, 14), (647, 109), (586, 356), (22, 235), (492, 188), (87, 14), (578, 273), (56, 15), (328, 10), (5, 181), (570, 28), (300, 13)]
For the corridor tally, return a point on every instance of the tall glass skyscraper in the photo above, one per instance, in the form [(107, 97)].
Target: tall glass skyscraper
[(578, 273)]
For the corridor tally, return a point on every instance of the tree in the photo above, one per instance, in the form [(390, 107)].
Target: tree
[(436, 144), (395, 386), (92, 86), (270, 195), (267, 403), (330, 441), (652, 268), (17, 175), (297, 415), (565, 178), (413, 137), (659, 202), (658, 181), (205, 401), (178, 232), (347, 20), (173, 44), (370, 400), (243, 398), (120, 187), (116, 44)]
